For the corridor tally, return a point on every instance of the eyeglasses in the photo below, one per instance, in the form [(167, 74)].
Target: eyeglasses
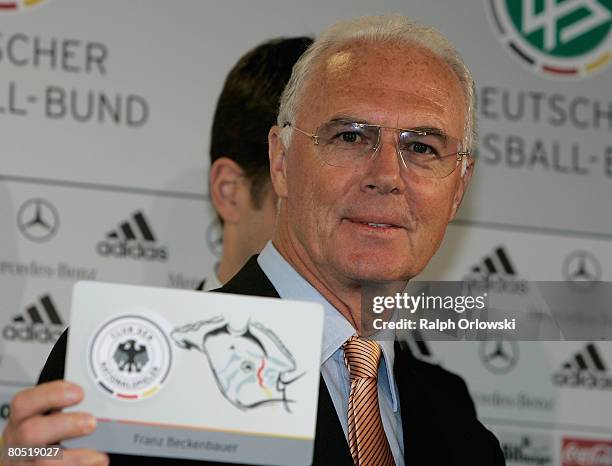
[(348, 144)]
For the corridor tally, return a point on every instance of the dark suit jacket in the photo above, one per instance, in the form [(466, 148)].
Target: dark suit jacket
[(438, 415)]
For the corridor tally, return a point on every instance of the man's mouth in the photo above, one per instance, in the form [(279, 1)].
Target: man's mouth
[(376, 224)]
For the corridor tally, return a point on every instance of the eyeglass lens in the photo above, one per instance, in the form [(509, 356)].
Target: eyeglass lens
[(346, 144)]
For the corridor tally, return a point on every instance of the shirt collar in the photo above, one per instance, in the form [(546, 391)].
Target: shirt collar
[(212, 281), (336, 329)]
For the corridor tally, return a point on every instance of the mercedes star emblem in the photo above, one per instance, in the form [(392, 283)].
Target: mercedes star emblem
[(581, 268), (499, 357), (37, 219)]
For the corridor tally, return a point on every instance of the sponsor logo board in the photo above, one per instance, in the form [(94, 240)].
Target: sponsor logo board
[(559, 39), (586, 369), (586, 452), (40, 322), (533, 448), (133, 239)]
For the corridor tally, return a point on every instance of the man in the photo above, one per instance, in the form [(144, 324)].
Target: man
[(361, 201), (240, 188)]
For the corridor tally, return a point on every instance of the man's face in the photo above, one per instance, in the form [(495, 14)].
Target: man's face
[(328, 208)]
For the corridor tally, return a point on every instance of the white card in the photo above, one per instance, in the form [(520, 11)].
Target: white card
[(187, 374)]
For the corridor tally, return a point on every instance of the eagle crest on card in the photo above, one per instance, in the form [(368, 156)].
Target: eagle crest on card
[(131, 357), (251, 364)]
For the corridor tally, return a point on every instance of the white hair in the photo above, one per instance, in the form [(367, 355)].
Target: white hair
[(389, 29)]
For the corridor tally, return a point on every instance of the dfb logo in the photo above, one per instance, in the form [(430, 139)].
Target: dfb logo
[(561, 39)]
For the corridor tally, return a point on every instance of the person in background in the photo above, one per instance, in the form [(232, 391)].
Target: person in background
[(240, 188)]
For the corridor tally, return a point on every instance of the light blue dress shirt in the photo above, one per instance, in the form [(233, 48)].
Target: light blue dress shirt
[(336, 330)]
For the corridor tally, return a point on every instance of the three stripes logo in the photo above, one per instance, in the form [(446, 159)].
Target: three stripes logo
[(497, 272), (39, 323), (586, 369), (497, 263), (133, 238)]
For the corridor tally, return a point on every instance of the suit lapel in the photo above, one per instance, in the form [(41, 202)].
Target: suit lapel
[(330, 444), (251, 281), (422, 442), (429, 415)]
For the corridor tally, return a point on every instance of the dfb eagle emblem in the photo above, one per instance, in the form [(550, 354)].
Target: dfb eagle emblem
[(131, 357)]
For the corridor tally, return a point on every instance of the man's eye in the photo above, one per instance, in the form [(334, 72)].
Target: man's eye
[(421, 148), (349, 137)]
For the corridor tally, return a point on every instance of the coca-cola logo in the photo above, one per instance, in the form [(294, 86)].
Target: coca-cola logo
[(579, 452)]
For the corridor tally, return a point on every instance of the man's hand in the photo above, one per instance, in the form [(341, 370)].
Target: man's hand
[(28, 425)]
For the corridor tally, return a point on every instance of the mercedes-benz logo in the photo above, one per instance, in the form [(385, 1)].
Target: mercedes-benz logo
[(500, 356), (581, 268), (214, 238), (37, 219)]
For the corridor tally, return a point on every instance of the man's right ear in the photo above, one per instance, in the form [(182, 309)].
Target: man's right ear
[(225, 177), (278, 161)]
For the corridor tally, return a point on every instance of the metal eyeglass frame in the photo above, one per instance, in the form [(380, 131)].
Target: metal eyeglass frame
[(461, 156)]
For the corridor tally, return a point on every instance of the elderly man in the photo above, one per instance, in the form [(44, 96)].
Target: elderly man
[(370, 161)]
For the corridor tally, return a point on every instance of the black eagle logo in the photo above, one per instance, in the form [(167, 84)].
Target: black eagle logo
[(131, 357)]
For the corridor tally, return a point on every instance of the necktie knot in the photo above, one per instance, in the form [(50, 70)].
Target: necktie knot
[(362, 357)]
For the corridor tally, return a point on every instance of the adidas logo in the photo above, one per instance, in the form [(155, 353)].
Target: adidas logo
[(585, 370), (134, 239), (497, 263), (39, 323), (496, 272)]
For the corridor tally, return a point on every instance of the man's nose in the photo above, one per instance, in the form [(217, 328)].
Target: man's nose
[(384, 169)]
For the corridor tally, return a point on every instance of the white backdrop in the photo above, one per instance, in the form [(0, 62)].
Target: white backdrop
[(106, 109)]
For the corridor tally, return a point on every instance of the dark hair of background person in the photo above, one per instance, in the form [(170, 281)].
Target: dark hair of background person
[(248, 106)]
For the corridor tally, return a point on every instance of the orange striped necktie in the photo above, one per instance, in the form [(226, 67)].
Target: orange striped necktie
[(367, 439)]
